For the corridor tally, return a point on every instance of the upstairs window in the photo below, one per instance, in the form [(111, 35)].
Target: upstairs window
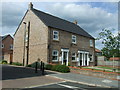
[(2, 46), (55, 35), (55, 55), (11, 46), (91, 43), (74, 39), (73, 56)]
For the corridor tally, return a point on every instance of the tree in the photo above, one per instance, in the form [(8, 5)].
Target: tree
[(110, 42)]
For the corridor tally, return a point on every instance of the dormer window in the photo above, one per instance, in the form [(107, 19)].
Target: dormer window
[(91, 43), (55, 35), (73, 39)]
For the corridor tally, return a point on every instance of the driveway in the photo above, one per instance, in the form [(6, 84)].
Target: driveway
[(22, 77), (17, 72)]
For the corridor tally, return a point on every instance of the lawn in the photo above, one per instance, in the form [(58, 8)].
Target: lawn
[(109, 69), (104, 67)]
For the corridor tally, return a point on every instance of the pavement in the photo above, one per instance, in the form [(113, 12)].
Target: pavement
[(21, 77), (88, 80)]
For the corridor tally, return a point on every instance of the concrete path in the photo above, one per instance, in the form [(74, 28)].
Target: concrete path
[(89, 80)]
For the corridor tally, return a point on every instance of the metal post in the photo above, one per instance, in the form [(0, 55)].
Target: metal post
[(43, 69), (36, 67), (24, 44), (113, 64), (41, 66)]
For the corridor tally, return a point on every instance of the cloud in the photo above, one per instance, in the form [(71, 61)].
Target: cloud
[(12, 14), (88, 17), (92, 19)]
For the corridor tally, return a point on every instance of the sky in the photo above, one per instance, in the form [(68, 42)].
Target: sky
[(91, 16)]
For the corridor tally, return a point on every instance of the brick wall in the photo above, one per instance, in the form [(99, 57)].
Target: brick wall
[(37, 41), (65, 41)]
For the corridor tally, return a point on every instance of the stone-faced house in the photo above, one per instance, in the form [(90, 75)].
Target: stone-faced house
[(52, 40), (7, 48)]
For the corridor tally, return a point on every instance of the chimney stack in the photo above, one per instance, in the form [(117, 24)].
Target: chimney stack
[(30, 6), (75, 22)]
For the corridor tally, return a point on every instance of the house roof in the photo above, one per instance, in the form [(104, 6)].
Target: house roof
[(3, 37), (55, 22), (97, 50)]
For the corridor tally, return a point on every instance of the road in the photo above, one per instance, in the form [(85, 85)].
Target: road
[(14, 72), (26, 78), (68, 86)]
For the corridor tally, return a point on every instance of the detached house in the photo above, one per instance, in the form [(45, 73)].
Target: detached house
[(52, 40), (7, 48)]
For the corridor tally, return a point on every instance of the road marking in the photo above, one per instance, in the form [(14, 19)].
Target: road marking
[(44, 84), (72, 87), (81, 82), (106, 81)]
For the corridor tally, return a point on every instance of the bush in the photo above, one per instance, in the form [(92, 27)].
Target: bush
[(4, 62), (48, 66), (17, 63), (29, 65), (33, 65), (61, 68)]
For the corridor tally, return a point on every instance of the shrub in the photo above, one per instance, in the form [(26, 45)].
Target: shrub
[(33, 65), (29, 65), (54, 67), (17, 63), (48, 66), (4, 62), (61, 68)]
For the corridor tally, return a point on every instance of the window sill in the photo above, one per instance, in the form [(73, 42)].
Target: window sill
[(54, 60), (90, 61), (74, 61), (91, 46), (56, 40)]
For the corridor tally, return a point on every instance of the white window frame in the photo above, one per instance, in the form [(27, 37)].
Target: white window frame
[(55, 35), (74, 56), (74, 38), (91, 43), (55, 55), (2, 46)]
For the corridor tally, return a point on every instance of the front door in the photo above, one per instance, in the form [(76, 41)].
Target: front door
[(65, 56)]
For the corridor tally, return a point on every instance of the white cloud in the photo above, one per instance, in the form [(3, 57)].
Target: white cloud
[(92, 19)]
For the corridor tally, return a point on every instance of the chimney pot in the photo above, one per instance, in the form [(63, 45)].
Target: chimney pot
[(30, 6), (75, 22)]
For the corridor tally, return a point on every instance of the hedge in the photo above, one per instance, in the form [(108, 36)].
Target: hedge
[(48, 66), (33, 65), (17, 63), (60, 68), (3, 62)]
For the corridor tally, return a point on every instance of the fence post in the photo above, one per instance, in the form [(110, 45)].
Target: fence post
[(36, 67), (42, 68)]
